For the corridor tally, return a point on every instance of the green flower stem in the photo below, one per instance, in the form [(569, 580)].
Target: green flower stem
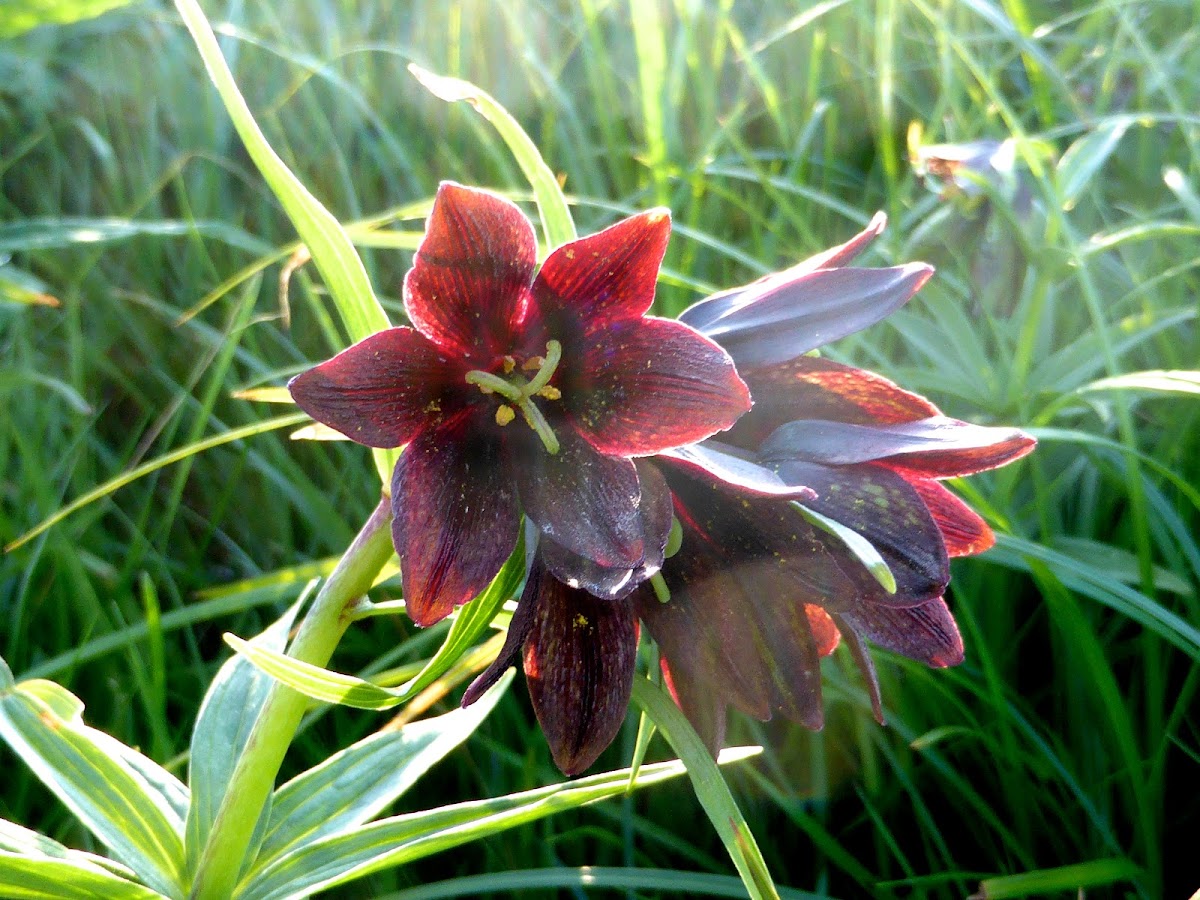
[(535, 420), (494, 383), (254, 776)]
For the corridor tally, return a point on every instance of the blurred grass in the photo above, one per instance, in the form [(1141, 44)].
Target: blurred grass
[(771, 132)]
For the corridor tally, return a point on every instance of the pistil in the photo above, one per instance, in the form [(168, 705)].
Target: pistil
[(520, 393)]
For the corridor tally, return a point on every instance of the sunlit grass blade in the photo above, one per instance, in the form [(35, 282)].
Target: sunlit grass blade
[(711, 789), (182, 453), (1044, 882), (552, 205), (862, 549)]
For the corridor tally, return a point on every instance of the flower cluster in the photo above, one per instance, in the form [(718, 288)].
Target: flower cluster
[(554, 396)]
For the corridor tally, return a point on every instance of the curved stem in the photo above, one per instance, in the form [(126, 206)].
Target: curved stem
[(535, 420), (486, 381), (546, 372), (254, 776)]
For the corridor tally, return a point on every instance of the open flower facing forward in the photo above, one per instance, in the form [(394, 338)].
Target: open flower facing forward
[(764, 583), (519, 392)]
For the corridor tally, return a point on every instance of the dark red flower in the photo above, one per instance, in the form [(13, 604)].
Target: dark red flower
[(758, 594), (520, 392)]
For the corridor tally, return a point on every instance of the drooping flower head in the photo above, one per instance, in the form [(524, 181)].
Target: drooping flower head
[(767, 580), (515, 391)]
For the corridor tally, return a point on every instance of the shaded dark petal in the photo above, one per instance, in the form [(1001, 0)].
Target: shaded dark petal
[(514, 639), (655, 512), (964, 532), (926, 633), (862, 658), (585, 502), (652, 384), (703, 707), (468, 287), (707, 311), (455, 518), (383, 390), (886, 510), (734, 467), (818, 388), (605, 277), (785, 319), (579, 662), (937, 447)]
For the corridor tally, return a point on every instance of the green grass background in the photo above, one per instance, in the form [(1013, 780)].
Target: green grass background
[(772, 130)]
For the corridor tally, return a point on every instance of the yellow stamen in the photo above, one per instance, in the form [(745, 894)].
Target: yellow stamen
[(504, 414), (550, 392)]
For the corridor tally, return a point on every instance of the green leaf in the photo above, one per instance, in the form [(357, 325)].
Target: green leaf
[(126, 800), (1044, 882), (1155, 381), (1086, 156), (471, 620), (22, 878), (711, 789), (19, 16), (551, 203), (863, 550), (355, 785), (394, 841), (223, 725), (330, 247), (61, 232)]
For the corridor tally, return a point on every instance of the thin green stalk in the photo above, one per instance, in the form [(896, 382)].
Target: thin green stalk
[(254, 777)]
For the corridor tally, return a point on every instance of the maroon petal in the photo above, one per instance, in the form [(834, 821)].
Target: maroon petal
[(606, 277), (937, 447), (579, 662), (732, 466), (653, 384), (586, 503), (862, 658), (817, 388), (514, 639), (382, 391), (707, 311), (964, 532), (886, 510), (468, 287), (926, 633), (655, 511), (456, 518)]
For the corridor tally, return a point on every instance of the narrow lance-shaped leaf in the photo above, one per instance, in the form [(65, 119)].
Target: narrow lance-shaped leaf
[(22, 878), (42, 723), (355, 785), (400, 839)]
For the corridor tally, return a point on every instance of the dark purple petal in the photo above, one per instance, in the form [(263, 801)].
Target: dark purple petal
[(886, 510), (964, 532), (579, 662), (703, 707), (606, 277), (734, 467), (382, 391), (455, 518), (583, 501), (468, 289), (705, 312), (514, 640), (862, 658), (653, 384), (817, 388), (784, 319), (937, 447), (926, 633), (655, 511)]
